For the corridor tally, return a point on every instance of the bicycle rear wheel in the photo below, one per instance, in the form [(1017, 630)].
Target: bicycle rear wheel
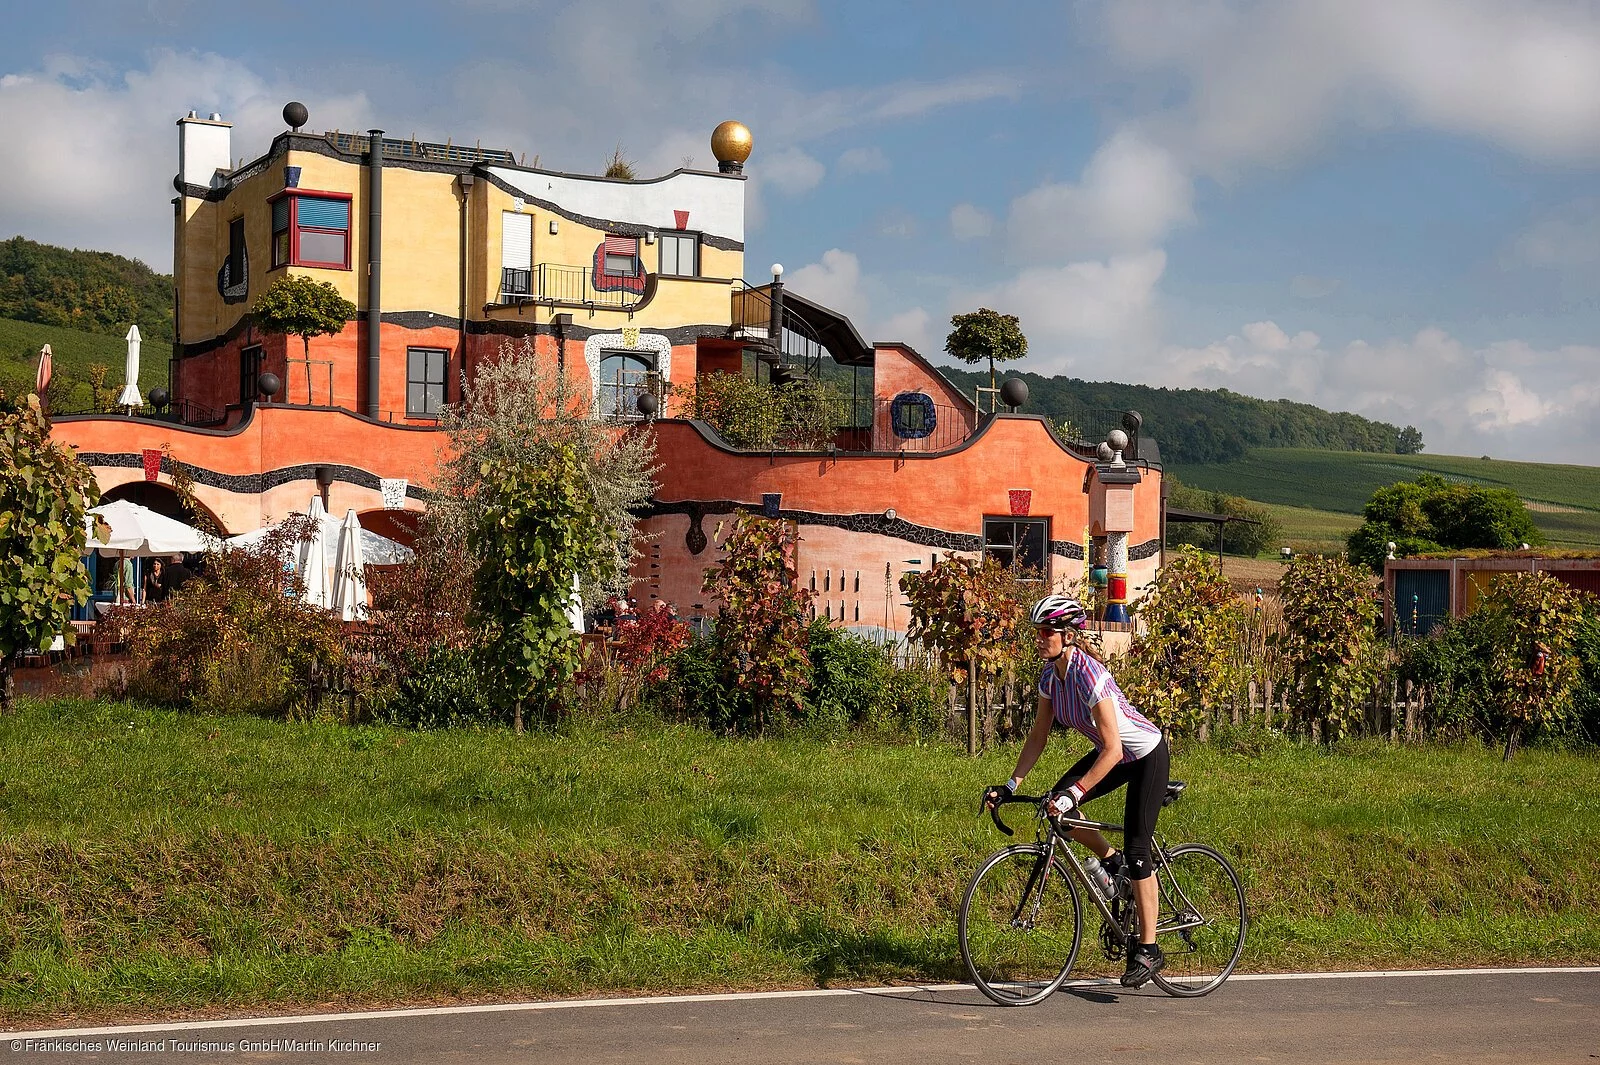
[(1020, 926), (1203, 920)]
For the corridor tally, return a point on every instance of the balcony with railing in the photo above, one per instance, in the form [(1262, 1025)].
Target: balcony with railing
[(558, 285)]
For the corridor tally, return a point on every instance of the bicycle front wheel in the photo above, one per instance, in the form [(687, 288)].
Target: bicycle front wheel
[(1203, 920), (1020, 925)]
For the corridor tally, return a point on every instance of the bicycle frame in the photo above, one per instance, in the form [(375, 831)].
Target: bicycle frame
[(1054, 835)]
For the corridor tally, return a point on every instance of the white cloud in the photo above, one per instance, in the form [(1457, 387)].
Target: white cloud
[(1269, 81), (92, 151), (1131, 195), (834, 282), (1083, 317), (867, 160), (968, 222), (791, 171)]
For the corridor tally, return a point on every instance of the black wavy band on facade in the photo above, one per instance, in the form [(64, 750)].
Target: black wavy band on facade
[(875, 523), (250, 483)]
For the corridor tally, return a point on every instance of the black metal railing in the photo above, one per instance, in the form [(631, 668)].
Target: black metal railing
[(177, 411), (565, 285), (798, 346)]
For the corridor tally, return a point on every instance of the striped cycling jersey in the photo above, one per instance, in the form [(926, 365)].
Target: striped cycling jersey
[(1073, 697)]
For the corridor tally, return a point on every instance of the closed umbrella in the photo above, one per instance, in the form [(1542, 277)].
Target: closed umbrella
[(350, 580), (376, 550), (130, 388), (311, 558), (41, 378)]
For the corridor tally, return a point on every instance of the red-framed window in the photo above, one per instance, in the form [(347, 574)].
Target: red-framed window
[(311, 228)]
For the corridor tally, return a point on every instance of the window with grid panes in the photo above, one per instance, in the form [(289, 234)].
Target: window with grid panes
[(1023, 543), (425, 370)]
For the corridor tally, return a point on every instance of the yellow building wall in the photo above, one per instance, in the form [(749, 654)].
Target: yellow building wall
[(421, 252)]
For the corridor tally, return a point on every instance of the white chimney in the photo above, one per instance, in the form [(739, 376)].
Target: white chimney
[(205, 145)]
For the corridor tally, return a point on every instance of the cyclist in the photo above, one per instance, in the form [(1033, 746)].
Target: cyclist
[(1077, 691)]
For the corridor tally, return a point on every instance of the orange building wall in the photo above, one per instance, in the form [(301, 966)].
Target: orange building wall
[(951, 492), (275, 438)]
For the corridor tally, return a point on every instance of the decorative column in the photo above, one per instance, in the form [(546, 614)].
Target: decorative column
[(1111, 515)]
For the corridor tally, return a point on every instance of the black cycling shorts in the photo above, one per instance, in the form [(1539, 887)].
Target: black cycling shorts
[(1146, 779)]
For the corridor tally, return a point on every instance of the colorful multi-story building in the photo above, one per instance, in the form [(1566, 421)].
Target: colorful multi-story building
[(449, 251)]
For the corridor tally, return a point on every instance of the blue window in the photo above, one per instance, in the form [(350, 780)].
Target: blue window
[(309, 230)]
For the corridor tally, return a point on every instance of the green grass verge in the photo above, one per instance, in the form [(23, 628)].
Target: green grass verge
[(153, 861), (1341, 482)]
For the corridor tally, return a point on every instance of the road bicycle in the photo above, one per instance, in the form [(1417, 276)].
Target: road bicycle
[(1022, 917)]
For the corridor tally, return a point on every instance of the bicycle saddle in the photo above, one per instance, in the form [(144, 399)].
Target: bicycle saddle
[(1174, 789)]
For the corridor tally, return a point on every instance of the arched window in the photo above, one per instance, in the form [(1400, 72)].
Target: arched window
[(624, 377)]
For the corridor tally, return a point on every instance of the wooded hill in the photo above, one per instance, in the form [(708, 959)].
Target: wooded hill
[(1202, 425), (94, 291)]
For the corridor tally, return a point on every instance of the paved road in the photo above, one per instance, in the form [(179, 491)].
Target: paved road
[(1526, 1019)]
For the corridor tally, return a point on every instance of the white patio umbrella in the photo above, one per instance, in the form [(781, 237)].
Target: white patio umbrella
[(350, 579), (130, 388), (312, 557), (376, 550), (140, 532)]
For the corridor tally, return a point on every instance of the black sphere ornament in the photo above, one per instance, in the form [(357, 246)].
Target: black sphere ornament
[(1131, 420), (268, 384), (159, 398), (295, 113), (1014, 392), (647, 404)]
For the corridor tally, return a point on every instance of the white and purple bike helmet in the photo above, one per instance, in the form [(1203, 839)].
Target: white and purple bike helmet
[(1060, 612)]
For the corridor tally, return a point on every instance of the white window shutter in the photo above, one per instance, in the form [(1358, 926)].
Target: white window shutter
[(516, 241)]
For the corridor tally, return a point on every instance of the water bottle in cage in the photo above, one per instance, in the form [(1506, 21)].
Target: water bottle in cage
[(1101, 878)]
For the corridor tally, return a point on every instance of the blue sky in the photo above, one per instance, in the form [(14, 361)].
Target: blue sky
[(1387, 206)]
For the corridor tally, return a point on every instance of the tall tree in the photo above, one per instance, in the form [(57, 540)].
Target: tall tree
[(986, 334), (45, 492), (541, 491), (301, 306)]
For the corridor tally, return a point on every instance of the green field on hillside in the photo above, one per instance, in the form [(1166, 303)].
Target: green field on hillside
[(72, 352), (1565, 500)]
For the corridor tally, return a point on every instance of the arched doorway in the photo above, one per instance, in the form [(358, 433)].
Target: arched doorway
[(164, 501)]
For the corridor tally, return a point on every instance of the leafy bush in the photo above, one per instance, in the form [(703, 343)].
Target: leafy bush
[(1586, 647), (759, 638), (623, 678), (849, 680), (1484, 672), (45, 492), (972, 613), (802, 414), (1328, 641), (1180, 667), (441, 688), (697, 690), (237, 639)]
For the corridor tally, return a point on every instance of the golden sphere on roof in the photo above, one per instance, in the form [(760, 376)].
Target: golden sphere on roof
[(730, 142)]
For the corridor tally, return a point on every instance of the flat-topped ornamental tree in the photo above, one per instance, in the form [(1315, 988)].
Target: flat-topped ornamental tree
[(45, 492), (304, 307), (986, 334)]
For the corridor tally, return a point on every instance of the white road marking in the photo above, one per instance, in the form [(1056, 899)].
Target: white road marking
[(741, 996)]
